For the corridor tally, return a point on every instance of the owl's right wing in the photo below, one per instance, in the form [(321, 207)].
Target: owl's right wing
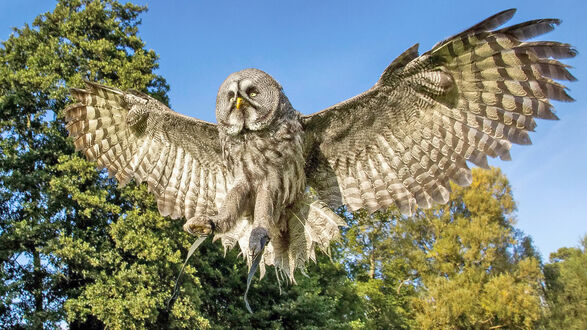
[(467, 98), (135, 136)]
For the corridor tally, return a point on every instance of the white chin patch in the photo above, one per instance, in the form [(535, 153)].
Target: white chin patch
[(235, 123), (254, 126), (254, 121)]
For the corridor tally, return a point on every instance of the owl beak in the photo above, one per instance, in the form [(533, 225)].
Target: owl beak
[(239, 102)]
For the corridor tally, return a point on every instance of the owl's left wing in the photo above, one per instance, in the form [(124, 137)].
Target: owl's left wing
[(468, 97), (135, 136)]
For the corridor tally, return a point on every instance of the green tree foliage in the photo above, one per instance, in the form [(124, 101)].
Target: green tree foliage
[(461, 265), (323, 299), (56, 209), (371, 251), (566, 284)]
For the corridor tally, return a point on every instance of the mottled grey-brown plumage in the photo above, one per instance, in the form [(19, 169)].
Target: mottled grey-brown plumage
[(265, 170)]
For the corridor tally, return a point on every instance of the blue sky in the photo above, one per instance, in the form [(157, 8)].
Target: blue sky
[(323, 52)]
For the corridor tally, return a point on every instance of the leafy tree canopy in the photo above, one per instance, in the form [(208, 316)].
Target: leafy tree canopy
[(566, 283), (459, 265)]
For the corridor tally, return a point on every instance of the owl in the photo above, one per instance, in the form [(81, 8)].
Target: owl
[(267, 178)]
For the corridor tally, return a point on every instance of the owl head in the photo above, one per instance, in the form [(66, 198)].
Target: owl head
[(248, 100)]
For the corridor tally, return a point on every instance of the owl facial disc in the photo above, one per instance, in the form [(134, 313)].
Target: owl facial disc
[(247, 100)]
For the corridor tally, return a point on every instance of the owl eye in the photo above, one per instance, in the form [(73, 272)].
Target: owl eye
[(252, 92), (230, 96)]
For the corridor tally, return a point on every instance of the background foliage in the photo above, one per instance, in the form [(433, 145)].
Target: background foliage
[(77, 250)]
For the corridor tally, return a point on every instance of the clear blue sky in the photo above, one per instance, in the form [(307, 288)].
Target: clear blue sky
[(323, 52)]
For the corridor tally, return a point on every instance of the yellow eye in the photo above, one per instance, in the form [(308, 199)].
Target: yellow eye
[(252, 92)]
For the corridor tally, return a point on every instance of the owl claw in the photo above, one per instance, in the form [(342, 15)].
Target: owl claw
[(258, 240), (201, 226)]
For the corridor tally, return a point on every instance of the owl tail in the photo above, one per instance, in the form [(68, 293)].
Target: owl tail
[(310, 224)]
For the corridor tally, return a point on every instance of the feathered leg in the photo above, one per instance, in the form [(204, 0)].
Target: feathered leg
[(234, 203), (263, 216)]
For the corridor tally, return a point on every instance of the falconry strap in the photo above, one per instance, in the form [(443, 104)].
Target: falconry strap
[(191, 251), (252, 272)]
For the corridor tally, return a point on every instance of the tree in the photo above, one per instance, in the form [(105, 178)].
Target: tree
[(323, 298), (477, 272), (50, 197), (459, 265), (373, 251), (566, 283)]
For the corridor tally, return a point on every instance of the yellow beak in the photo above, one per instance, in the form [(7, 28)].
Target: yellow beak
[(239, 102)]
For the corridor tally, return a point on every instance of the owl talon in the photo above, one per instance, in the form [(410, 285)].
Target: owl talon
[(202, 226), (258, 240)]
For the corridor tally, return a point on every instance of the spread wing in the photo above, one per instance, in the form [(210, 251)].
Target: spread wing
[(470, 96), (135, 136)]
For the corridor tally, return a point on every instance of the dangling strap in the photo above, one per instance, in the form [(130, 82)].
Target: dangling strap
[(252, 271), (191, 251)]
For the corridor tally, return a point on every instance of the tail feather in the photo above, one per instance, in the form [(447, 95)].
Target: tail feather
[(311, 224)]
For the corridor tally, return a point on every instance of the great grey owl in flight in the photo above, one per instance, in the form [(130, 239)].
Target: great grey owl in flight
[(266, 177)]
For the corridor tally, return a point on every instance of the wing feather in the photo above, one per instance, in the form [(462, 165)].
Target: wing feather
[(136, 136), (469, 97)]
